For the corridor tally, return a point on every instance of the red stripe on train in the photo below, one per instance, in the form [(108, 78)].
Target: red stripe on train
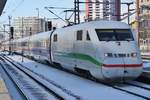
[(122, 65)]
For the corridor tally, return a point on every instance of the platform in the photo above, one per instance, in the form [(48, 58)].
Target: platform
[(4, 94)]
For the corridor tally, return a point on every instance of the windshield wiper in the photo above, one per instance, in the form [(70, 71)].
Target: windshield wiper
[(108, 40), (128, 40)]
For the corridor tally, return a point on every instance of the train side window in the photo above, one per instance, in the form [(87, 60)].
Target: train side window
[(55, 38), (87, 36), (24, 44), (47, 43), (79, 35)]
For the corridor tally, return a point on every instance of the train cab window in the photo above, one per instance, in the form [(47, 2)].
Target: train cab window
[(79, 35), (114, 34), (124, 35), (55, 38), (87, 36)]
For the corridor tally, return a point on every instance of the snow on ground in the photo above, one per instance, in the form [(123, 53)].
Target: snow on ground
[(87, 89)]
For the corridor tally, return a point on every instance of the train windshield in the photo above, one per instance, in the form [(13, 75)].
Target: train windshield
[(114, 34)]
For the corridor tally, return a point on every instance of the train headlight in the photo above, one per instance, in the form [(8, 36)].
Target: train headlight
[(106, 54), (134, 54)]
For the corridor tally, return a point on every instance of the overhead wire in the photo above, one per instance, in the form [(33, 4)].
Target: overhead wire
[(9, 12), (19, 4), (11, 6)]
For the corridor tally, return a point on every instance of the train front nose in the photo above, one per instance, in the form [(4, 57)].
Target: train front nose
[(113, 69), (121, 67)]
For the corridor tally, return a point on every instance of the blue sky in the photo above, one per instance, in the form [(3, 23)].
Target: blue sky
[(16, 8)]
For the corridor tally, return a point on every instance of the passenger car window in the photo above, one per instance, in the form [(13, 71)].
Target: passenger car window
[(55, 38), (79, 35)]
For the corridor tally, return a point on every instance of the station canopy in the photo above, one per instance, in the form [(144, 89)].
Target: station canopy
[(2, 5)]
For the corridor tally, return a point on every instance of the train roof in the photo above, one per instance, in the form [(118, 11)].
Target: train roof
[(21, 39), (102, 24), (86, 25), (40, 36)]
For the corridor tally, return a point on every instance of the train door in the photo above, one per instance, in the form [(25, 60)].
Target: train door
[(78, 47), (50, 46)]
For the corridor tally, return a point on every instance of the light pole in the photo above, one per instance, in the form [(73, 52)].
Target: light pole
[(137, 18), (4, 34), (38, 19)]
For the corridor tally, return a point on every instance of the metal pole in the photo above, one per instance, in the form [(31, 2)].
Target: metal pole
[(22, 28), (38, 19), (75, 14), (118, 9), (4, 35), (9, 18), (22, 37), (78, 11), (138, 26), (128, 13), (4, 31)]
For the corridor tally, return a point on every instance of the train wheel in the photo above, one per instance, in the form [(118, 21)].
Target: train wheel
[(57, 65)]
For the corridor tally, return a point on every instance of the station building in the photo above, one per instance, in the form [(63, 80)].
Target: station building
[(144, 25), (25, 26)]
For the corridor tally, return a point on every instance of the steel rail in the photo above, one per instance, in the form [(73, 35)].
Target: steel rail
[(46, 88)]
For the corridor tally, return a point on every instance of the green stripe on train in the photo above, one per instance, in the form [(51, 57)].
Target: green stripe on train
[(81, 57)]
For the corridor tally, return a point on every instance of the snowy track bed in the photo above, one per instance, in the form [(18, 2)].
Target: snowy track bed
[(136, 88), (77, 87), (29, 88)]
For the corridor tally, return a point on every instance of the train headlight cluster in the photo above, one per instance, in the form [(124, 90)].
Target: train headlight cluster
[(120, 55)]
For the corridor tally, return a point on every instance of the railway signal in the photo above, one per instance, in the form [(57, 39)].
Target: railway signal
[(11, 32)]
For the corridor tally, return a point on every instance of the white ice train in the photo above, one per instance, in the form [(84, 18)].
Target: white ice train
[(106, 49)]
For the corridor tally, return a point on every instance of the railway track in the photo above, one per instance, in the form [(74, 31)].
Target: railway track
[(132, 87), (135, 88), (29, 89), (2, 64), (52, 88)]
